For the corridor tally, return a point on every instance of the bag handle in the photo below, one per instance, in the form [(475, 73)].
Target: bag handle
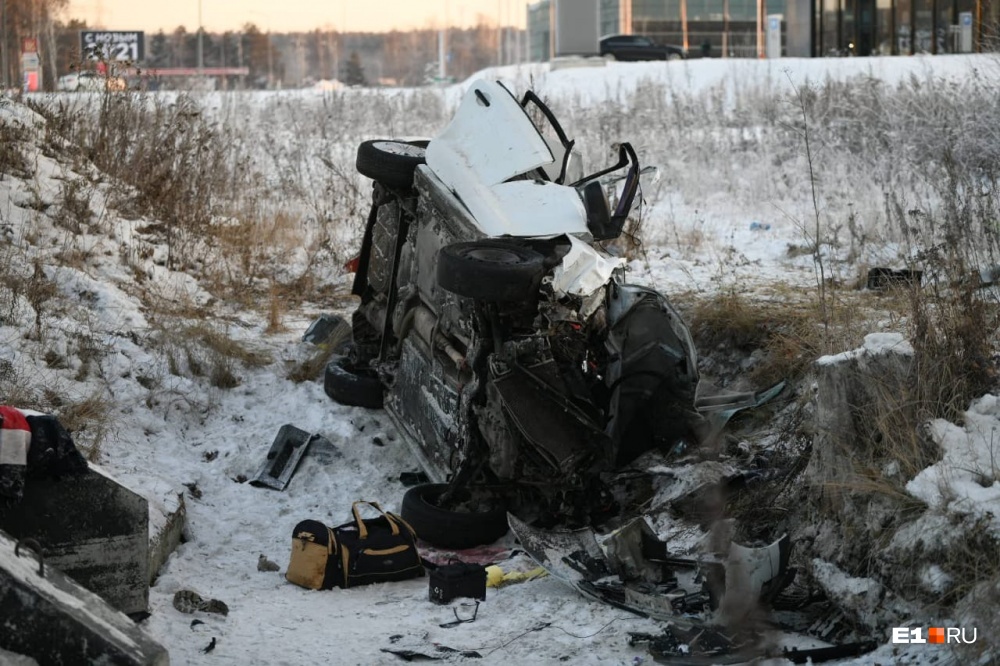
[(362, 530)]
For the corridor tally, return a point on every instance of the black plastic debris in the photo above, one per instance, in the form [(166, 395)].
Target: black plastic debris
[(328, 329), (882, 279), (432, 653), (410, 479), (699, 645), (815, 655), (283, 458)]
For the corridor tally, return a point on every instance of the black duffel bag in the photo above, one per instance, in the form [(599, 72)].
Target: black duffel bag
[(377, 550), (359, 552)]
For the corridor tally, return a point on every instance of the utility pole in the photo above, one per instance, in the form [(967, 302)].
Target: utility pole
[(4, 62), (201, 47), (443, 47), (499, 32), (270, 63), (239, 59)]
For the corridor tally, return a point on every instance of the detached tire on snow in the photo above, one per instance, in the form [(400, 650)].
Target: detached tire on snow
[(449, 529), (490, 270), (389, 162), (352, 386)]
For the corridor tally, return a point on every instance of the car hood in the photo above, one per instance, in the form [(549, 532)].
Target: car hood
[(489, 142)]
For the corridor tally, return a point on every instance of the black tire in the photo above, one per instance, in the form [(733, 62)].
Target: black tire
[(391, 163), (450, 529), (352, 386), (490, 270)]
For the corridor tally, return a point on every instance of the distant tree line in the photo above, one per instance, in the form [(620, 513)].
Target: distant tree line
[(274, 59), (28, 18)]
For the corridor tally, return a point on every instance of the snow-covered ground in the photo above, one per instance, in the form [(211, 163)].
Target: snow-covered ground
[(176, 429)]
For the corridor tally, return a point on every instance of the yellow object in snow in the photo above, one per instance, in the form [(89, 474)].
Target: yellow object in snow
[(495, 576)]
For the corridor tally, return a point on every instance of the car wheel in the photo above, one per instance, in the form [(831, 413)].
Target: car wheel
[(446, 528), (674, 56), (349, 385), (490, 270), (391, 163)]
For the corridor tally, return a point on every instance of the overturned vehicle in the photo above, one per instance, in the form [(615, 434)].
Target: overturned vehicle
[(500, 333)]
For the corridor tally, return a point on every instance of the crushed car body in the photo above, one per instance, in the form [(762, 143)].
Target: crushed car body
[(533, 383), (511, 352)]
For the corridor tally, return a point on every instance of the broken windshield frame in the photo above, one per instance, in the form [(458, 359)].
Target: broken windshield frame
[(567, 144)]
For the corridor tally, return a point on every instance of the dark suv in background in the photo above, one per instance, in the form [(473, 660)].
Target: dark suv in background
[(638, 47)]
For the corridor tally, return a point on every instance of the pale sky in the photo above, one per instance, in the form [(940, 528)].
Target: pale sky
[(294, 15)]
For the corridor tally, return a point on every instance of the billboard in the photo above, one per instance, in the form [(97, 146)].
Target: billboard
[(119, 45)]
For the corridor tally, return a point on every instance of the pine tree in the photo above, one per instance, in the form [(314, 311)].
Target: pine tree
[(354, 73)]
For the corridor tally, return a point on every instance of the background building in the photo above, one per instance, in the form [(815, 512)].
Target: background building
[(808, 27), (904, 27)]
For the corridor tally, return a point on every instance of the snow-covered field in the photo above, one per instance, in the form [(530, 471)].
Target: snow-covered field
[(725, 136)]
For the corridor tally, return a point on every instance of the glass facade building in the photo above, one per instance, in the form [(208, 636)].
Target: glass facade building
[(810, 27), (707, 20), (901, 27)]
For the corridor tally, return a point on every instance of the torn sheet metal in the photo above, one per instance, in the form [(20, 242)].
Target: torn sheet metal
[(620, 573), (583, 270)]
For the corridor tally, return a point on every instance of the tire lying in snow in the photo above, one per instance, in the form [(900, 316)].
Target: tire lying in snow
[(349, 385), (450, 529), (490, 270), (391, 163)]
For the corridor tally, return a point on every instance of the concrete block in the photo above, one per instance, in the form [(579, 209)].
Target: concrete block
[(167, 517), (52, 619), (91, 528)]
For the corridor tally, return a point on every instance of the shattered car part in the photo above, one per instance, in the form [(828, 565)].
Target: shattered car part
[(290, 444), (619, 572)]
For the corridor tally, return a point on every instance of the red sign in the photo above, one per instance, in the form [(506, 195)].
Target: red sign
[(29, 45), (31, 82)]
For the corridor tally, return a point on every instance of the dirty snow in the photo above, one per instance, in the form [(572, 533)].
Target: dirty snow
[(182, 431), (966, 480), (875, 344)]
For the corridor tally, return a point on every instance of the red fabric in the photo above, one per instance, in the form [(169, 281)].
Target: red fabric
[(15, 438), (13, 419)]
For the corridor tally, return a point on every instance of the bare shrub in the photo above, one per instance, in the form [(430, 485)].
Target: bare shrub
[(74, 213), (12, 159), (89, 421), (199, 350)]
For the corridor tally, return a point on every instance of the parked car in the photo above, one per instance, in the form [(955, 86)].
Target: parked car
[(499, 333), (638, 47)]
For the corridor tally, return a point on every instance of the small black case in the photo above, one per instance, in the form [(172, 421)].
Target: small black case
[(459, 579)]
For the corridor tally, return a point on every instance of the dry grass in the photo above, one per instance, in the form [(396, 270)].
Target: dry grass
[(785, 325), (198, 350)]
